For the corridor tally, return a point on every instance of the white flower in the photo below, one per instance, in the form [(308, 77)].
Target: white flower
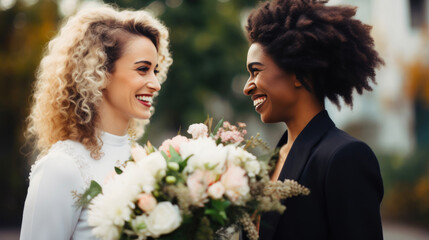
[(198, 130), (206, 155), (238, 156), (216, 190), (155, 164), (138, 152), (164, 219), (139, 226), (252, 167), (107, 214), (138, 177), (109, 211)]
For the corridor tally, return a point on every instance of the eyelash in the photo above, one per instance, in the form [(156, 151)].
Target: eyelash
[(145, 69), (253, 70)]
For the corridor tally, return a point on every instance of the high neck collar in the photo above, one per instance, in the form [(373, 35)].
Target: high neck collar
[(114, 140)]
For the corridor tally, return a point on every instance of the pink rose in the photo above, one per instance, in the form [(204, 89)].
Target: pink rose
[(216, 190), (174, 142), (138, 152), (235, 182), (197, 183), (146, 202), (198, 130)]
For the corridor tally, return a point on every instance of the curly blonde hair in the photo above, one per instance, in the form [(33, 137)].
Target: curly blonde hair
[(76, 67)]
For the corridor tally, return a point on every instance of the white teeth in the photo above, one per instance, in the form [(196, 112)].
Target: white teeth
[(145, 98), (259, 101)]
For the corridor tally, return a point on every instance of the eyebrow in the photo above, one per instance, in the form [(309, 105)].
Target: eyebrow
[(250, 65), (143, 61)]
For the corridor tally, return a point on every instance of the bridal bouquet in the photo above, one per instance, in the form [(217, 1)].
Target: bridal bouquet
[(189, 188)]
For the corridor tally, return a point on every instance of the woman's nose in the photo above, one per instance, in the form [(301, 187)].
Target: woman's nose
[(249, 87), (154, 83)]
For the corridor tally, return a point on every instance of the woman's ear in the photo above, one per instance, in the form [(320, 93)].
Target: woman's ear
[(297, 83)]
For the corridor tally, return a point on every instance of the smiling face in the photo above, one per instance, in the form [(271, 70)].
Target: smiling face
[(274, 92), (132, 83)]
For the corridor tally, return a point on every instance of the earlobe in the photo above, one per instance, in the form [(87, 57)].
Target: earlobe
[(297, 83)]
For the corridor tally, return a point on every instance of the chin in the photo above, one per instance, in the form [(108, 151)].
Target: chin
[(143, 116), (266, 119)]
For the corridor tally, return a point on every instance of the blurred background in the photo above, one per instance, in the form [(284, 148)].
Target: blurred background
[(209, 50)]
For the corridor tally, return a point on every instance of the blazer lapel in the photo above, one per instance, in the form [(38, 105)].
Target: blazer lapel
[(295, 163), (302, 147)]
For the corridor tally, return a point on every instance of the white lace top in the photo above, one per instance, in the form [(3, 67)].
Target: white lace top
[(50, 212)]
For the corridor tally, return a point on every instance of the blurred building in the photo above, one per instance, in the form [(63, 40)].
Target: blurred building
[(389, 118)]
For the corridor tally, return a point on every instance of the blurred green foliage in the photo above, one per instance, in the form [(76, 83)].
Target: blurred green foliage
[(23, 34), (406, 184)]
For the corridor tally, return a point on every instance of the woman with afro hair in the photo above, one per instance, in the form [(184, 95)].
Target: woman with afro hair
[(302, 52)]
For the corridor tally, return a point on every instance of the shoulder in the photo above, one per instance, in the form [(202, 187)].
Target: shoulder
[(338, 143), (59, 162), (346, 155), (337, 151)]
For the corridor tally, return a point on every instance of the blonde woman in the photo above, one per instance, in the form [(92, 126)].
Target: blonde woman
[(95, 83)]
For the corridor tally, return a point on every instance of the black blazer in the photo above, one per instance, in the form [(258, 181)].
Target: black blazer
[(344, 178)]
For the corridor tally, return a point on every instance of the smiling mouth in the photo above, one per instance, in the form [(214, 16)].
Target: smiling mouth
[(146, 100), (259, 101)]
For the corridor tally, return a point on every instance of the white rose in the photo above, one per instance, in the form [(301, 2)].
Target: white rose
[(138, 152), (155, 164), (237, 155), (252, 167), (164, 219), (216, 190), (205, 155)]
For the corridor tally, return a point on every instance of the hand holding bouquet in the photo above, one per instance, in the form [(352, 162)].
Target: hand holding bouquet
[(189, 188)]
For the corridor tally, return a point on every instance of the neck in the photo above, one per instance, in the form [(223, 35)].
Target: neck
[(112, 122), (300, 119)]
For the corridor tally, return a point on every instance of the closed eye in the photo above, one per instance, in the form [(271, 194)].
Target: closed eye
[(143, 69), (254, 71)]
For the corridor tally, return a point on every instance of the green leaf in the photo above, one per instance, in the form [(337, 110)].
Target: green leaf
[(184, 163), (94, 189), (89, 194), (218, 125), (220, 205), (175, 156), (164, 155), (215, 216), (118, 170)]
